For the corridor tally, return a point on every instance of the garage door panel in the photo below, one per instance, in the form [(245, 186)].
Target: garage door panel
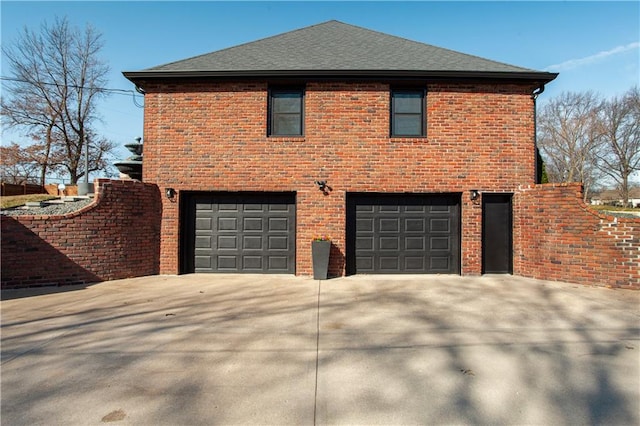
[(364, 263), (389, 209), (252, 242), (253, 207), (203, 262), (415, 209), (203, 223), (389, 243), (203, 242), (440, 225), (278, 224), (442, 264), (279, 263), (280, 207), (440, 243), (364, 208), (414, 225), (241, 232), (440, 209), (389, 264), (403, 233), (252, 224), (389, 225), (227, 224), (227, 263), (225, 207), (415, 243), (227, 242), (204, 207), (278, 243), (414, 263), (364, 225), (252, 263), (364, 243)]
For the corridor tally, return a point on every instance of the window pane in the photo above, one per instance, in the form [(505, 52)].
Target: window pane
[(286, 111), (287, 102), (407, 125), (407, 114), (286, 124), (407, 102)]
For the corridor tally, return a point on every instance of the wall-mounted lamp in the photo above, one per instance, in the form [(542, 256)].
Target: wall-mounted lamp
[(322, 186), (474, 194), (170, 193)]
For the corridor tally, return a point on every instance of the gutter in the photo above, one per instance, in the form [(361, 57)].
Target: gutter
[(541, 77)]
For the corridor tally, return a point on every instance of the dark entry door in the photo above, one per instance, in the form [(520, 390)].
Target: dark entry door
[(497, 251), (403, 233), (240, 232)]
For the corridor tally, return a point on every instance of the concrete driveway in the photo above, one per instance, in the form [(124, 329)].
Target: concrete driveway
[(273, 350)]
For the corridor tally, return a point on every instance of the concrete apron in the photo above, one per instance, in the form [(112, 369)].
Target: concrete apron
[(256, 349)]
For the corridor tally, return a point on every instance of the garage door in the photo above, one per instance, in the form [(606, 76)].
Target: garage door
[(393, 233), (240, 232)]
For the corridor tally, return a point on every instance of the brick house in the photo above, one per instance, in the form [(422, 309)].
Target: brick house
[(405, 154)]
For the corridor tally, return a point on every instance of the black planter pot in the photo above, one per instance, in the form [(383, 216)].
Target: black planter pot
[(320, 251)]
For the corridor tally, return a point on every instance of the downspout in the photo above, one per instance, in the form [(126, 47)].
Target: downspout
[(534, 96)]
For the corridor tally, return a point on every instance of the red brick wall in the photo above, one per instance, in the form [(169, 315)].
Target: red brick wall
[(115, 237), (557, 237), (211, 136)]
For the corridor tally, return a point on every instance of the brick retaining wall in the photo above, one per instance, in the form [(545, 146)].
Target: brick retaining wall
[(558, 237), (117, 236)]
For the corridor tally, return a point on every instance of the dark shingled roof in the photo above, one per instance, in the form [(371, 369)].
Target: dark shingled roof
[(336, 49)]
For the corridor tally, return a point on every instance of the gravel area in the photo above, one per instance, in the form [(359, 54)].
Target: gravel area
[(623, 214), (52, 209), (631, 215)]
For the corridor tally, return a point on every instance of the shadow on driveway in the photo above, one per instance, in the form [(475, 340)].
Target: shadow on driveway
[(255, 349)]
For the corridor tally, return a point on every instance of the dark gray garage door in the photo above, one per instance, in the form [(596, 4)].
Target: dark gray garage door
[(240, 232), (402, 233)]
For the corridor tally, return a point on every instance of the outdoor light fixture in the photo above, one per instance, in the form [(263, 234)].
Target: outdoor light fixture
[(322, 186), (474, 194), (170, 193)]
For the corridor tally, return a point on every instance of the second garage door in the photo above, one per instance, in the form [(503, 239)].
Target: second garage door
[(240, 232), (403, 233)]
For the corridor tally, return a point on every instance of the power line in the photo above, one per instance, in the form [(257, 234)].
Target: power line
[(126, 92), (102, 89)]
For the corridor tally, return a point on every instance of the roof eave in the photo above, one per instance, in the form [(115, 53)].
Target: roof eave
[(146, 75)]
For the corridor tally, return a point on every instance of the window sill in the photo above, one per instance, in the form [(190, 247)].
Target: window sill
[(286, 138), (407, 138)]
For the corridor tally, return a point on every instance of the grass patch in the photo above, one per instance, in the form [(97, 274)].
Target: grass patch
[(614, 209), (21, 200)]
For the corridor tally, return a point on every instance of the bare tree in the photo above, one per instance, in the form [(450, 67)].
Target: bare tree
[(99, 154), (569, 140), (17, 165), (619, 126), (56, 79)]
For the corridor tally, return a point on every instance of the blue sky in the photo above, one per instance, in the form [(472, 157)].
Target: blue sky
[(593, 45)]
